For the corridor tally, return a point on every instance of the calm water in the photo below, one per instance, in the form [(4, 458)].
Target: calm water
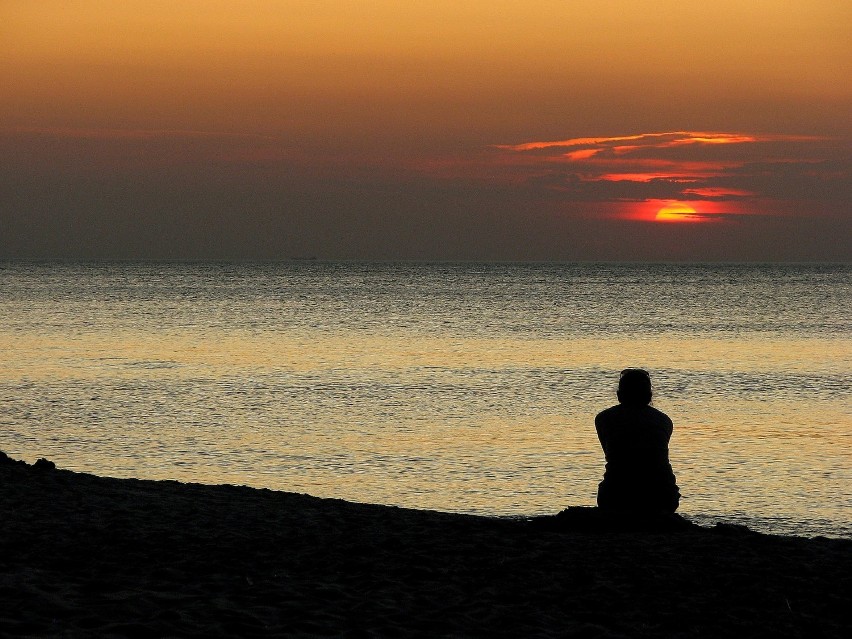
[(466, 387)]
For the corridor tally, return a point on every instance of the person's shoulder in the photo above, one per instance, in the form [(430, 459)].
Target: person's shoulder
[(660, 416), (606, 415)]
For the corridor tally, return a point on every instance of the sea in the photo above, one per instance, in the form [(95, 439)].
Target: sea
[(461, 387)]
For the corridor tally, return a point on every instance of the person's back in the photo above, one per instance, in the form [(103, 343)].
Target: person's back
[(635, 439)]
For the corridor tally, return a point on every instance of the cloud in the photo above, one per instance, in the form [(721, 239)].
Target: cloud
[(656, 140), (700, 166), (718, 192), (582, 154)]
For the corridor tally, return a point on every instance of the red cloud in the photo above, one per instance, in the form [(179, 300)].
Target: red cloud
[(670, 166)]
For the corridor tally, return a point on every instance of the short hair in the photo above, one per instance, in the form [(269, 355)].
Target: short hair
[(634, 387)]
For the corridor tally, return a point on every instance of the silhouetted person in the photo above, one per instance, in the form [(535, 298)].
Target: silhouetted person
[(635, 440)]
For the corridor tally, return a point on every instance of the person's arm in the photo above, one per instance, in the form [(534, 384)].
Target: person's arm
[(602, 431), (669, 428)]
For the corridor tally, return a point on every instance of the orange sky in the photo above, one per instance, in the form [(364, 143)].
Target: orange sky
[(385, 118)]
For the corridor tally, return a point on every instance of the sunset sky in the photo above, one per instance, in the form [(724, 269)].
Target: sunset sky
[(539, 130)]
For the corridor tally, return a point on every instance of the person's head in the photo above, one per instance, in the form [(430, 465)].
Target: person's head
[(634, 387)]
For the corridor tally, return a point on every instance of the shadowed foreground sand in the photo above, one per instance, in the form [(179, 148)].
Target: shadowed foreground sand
[(88, 556)]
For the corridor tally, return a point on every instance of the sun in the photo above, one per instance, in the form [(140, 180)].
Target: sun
[(677, 212)]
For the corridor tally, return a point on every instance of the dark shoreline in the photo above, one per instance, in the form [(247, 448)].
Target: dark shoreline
[(82, 555)]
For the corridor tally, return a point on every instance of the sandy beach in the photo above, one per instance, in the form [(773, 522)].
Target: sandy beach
[(83, 556)]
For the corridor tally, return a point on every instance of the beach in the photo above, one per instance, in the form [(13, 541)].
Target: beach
[(82, 555)]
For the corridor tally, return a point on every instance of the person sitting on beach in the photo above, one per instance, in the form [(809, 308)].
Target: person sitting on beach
[(635, 440)]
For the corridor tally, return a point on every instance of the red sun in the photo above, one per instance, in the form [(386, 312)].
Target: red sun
[(677, 212)]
